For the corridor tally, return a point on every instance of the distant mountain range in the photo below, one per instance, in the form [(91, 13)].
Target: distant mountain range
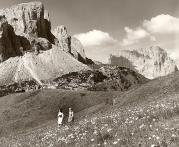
[(29, 50), (151, 62)]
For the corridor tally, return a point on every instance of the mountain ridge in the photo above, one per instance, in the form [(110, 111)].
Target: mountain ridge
[(31, 66), (151, 62), (29, 49)]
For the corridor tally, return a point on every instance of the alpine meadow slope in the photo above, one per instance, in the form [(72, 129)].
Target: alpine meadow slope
[(143, 116), (131, 102)]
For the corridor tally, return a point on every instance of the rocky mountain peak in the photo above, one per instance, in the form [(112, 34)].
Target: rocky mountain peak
[(29, 19), (30, 26), (61, 32), (70, 44), (151, 62), (27, 46), (63, 39)]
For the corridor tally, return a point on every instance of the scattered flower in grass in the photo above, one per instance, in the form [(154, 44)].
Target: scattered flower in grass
[(92, 139), (108, 130)]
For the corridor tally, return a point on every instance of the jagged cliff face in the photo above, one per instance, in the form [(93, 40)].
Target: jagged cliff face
[(28, 49), (68, 43), (29, 19), (27, 25), (21, 27), (151, 62), (10, 43)]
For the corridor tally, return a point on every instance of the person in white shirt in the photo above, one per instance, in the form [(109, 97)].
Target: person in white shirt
[(60, 117), (71, 115)]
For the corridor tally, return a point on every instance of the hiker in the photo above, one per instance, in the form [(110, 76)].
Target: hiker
[(60, 118), (71, 115)]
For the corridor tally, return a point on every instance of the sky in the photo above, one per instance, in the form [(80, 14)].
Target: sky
[(107, 26)]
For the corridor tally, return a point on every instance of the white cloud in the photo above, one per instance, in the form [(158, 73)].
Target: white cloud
[(162, 24), (134, 35), (95, 38), (98, 44)]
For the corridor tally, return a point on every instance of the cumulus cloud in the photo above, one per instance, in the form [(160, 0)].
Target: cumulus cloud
[(95, 38), (98, 45), (160, 24), (134, 35)]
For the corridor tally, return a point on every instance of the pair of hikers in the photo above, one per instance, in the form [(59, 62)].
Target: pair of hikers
[(61, 116)]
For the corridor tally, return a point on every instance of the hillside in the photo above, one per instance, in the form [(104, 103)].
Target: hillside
[(20, 112), (99, 78), (46, 65), (143, 116), (102, 78), (132, 101)]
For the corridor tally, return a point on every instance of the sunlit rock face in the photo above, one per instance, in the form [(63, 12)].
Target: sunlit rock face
[(27, 27), (22, 26), (28, 49), (151, 62), (70, 44), (29, 19), (63, 38)]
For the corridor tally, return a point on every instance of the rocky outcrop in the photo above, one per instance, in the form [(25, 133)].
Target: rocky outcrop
[(22, 27), (77, 48), (102, 78), (27, 27), (25, 35), (29, 19), (11, 45), (151, 62), (63, 38), (70, 44)]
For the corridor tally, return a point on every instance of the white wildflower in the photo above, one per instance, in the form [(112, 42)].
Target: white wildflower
[(115, 142), (157, 137), (173, 135), (92, 139), (141, 126), (109, 129)]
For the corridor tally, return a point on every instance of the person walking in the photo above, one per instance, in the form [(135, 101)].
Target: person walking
[(60, 122), (60, 118), (71, 115)]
